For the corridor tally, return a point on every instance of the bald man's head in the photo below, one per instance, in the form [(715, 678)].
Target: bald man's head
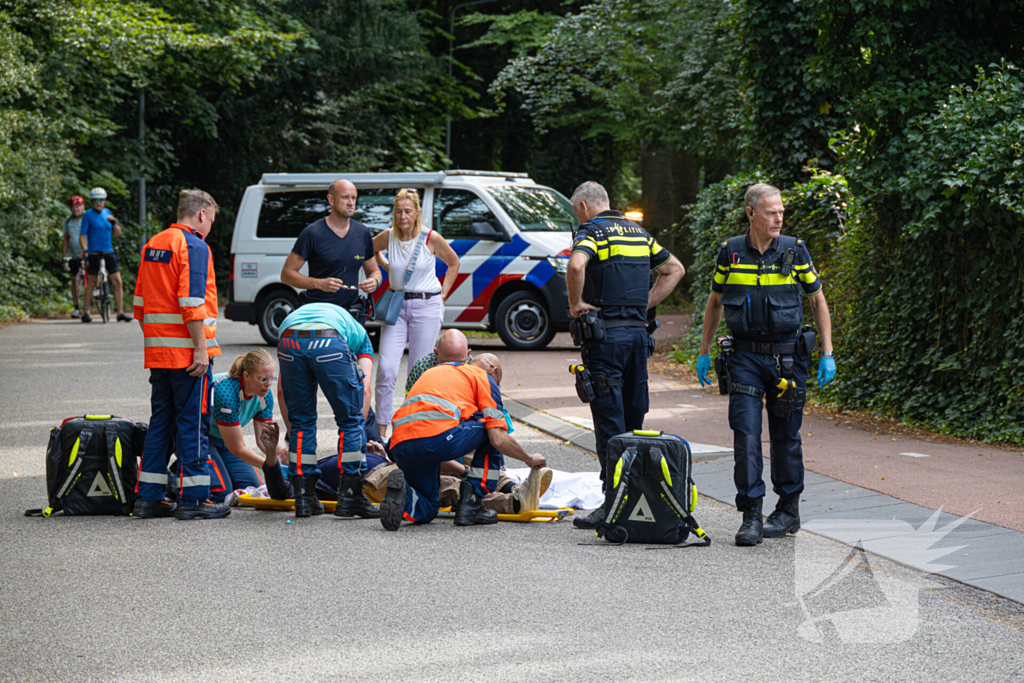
[(342, 195), (452, 347), (490, 363)]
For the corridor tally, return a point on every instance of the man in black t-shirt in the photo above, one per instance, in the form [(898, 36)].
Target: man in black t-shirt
[(335, 247)]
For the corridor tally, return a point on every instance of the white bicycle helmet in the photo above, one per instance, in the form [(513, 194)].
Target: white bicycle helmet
[(98, 193)]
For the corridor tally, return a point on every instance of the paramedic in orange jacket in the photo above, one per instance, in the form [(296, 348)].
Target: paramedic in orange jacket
[(453, 409), (176, 304)]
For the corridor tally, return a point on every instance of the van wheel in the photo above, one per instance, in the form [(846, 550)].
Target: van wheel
[(271, 311), (523, 323)]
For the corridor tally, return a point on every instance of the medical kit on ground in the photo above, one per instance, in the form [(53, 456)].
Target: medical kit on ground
[(92, 465), (650, 495)]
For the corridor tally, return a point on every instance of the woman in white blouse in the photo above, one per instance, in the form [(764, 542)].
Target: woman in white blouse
[(423, 308)]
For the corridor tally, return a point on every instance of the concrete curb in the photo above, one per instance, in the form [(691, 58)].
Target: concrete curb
[(879, 524), (584, 438)]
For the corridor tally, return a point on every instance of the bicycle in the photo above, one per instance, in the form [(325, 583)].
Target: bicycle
[(101, 292)]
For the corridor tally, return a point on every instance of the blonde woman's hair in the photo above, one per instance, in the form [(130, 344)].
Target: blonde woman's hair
[(250, 362), (414, 197)]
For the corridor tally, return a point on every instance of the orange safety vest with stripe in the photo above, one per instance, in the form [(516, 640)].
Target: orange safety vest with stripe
[(445, 396), (176, 285)]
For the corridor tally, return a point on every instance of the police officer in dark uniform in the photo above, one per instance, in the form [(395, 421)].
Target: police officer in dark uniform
[(609, 286), (758, 281)]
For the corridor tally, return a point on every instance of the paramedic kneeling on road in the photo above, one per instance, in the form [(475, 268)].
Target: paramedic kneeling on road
[(176, 303), (240, 395), (610, 274), (758, 280), (453, 410), (319, 345)]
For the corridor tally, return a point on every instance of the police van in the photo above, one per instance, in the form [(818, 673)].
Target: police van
[(512, 236)]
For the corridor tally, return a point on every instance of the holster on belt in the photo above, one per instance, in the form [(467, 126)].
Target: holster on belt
[(722, 365), (587, 327), (584, 384), (790, 397)]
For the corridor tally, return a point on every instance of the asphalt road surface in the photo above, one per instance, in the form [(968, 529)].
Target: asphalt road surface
[(251, 598)]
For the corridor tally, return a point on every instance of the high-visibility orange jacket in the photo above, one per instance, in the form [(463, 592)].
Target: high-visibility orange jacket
[(176, 285), (444, 396)]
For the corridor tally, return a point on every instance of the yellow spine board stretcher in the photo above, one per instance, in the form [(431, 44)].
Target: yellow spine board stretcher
[(329, 505)]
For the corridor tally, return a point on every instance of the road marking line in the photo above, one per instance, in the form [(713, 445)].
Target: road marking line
[(685, 405), (916, 455)]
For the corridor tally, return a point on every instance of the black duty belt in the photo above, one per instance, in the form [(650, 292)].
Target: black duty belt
[(623, 322), (421, 295), (309, 333), (766, 348)]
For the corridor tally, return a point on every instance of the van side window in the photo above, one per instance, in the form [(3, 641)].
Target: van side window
[(462, 215), (285, 214), (374, 207)]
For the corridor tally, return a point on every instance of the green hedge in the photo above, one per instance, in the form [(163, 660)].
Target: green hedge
[(935, 270)]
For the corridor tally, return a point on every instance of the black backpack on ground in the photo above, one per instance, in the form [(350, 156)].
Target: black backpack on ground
[(650, 496), (92, 465)]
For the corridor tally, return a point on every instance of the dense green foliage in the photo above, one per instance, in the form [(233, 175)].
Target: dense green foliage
[(893, 128), (70, 75), (935, 330), (925, 285)]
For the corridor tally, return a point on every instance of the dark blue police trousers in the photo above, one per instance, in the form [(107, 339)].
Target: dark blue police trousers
[(760, 371), (622, 356)]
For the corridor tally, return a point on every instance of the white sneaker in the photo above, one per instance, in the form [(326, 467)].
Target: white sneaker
[(527, 492), (76, 314), (545, 481)]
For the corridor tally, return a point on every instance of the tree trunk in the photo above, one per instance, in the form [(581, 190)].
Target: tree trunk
[(685, 181), (715, 170), (656, 190), (608, 157)]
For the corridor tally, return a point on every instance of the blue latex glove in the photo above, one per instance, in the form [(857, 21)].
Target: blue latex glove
[(703, 368), (826, 370)]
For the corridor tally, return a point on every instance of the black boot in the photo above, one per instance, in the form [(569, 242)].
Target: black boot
[(470, 509), (393, 505), (352, 502), (316, 507), (752, 529), (785, 519), (204, 509), (304, 490), (591, 521), (149, 509)]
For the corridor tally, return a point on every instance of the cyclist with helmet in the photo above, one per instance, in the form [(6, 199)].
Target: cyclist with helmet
[(71, 248), (98, 226)]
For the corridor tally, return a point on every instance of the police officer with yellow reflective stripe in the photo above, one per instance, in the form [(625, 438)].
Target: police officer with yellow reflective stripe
[(758, 281), (609, 282)]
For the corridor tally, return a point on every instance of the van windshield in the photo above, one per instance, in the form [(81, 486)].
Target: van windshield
[(535, 209)]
